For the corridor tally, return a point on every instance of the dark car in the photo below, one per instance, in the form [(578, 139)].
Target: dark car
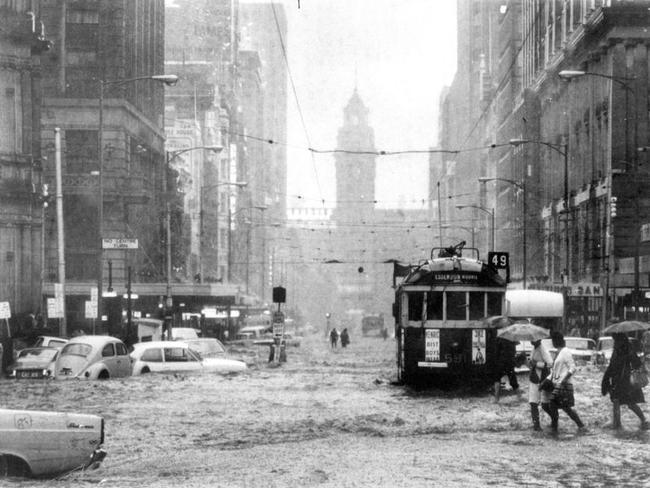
[(34, 363)]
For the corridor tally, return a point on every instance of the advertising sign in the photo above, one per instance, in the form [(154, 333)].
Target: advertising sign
[(478, 346), (54, 308), (432, 345)]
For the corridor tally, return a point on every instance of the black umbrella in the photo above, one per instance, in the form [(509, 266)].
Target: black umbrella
[(626, 326)]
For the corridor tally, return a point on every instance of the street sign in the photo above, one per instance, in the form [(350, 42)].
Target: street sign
[(278, 324), (91, 309), (119, 243), (5, 310), (54, 308)]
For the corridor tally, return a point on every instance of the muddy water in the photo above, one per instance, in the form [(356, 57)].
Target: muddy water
[(333, 419)]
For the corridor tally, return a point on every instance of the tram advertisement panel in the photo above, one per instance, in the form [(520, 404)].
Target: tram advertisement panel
[(478, 346), (432, 345)]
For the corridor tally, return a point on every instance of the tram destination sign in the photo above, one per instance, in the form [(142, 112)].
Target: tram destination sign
[(119, 243), (454, 277)]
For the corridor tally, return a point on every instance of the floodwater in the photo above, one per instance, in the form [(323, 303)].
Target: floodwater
[(333, 418)]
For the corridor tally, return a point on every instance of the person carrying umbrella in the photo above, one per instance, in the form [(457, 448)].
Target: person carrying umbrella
[(616, 381), (540, 363)]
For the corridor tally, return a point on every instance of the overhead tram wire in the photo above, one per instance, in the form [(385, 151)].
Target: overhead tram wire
[(295, 95)]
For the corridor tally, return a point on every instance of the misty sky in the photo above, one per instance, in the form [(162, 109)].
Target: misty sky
[(399, 53)]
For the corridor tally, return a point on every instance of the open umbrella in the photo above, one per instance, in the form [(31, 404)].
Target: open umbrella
[(523, 331), (625, 327)]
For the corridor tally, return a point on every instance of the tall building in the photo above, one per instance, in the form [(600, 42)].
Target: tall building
[(21, 203), (263, 28), (563, 136), (117, 45)]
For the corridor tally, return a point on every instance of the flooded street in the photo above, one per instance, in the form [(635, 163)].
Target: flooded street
[(332, 418)]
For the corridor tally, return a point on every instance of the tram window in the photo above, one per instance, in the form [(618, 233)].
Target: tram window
[(476, 305), (434, 305), (415, 305), (494, 303), (456, 305)]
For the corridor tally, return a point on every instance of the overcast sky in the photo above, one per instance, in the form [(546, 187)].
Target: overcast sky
[(399, 54)]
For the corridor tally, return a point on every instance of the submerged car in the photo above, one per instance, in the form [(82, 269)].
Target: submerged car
[(177, 357), (40, 443), (93, 357), (34, 363)]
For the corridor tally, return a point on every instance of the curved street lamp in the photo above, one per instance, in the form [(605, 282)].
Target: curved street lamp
[(169, 80), (522, 187), (488, 211)]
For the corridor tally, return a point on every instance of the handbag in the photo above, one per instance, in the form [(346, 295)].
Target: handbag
[(546, 384), (638, 377)]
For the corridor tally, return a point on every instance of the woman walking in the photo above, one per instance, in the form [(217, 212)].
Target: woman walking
[(540, 366), (562, 394), (616, 381)]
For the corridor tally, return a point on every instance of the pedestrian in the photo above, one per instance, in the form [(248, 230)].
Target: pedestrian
[(384, 333), (562, 394), (334, 338), (540, 364), (505, 366), (616, 381), (345, 338)]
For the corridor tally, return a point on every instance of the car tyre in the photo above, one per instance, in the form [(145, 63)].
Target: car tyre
[(103, 375), (145, 370)]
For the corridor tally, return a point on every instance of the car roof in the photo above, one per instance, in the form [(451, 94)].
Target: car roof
[(52, 338), (145, 345), (93, 340)]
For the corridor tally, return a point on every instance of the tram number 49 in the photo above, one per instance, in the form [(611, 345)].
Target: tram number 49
[(499, 260)]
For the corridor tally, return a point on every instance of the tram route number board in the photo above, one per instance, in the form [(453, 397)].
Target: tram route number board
[(499, 260)]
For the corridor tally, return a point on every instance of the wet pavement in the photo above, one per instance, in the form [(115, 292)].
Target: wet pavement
[(333, 418)]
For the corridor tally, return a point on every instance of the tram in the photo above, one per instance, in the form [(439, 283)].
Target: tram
[(442, 308)]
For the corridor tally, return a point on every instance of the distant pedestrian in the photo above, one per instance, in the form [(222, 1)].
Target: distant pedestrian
[(334, 338), (384, 333), (345, 338), (540, 367), (562, 395), (616, 381), (505, 366)]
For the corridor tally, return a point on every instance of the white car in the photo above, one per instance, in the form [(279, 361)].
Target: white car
[(582, 348), (177, 357), (182, 333), (40, 443), (93, 357)]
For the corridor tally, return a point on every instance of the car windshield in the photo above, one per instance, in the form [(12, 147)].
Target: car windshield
[(37, 354), (206, 347), (606, 343), (579, 344), (76, 349)]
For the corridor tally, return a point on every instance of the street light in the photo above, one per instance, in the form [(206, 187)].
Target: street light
[(261, 208), (169, 80), (238, 184), (623, 81), (171, 155), (563, 150), (522, 187), (488, 211)]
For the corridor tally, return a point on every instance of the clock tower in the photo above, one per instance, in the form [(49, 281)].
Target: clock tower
[(355, 171)]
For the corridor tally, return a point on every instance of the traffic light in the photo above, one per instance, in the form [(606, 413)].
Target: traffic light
[(612, 206)]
